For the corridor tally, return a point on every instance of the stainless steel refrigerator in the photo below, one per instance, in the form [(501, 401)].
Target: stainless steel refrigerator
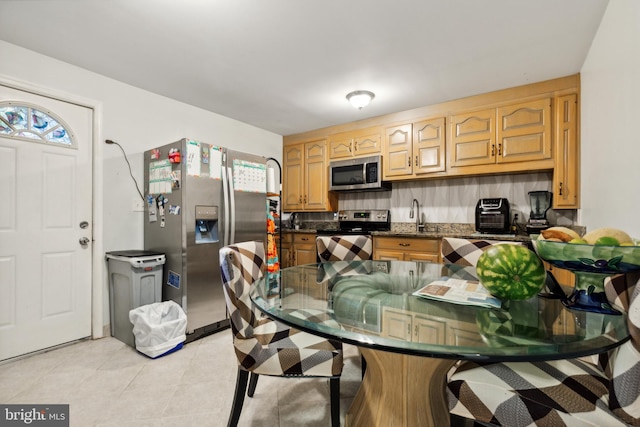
[(199, 198)]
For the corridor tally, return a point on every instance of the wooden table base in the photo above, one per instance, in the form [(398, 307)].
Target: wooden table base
[(400, 390)]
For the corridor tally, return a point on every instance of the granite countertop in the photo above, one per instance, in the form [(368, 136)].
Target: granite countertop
[(432, 231), (457, 234)]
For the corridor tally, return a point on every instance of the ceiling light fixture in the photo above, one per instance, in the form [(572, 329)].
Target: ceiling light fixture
[(360, 98)]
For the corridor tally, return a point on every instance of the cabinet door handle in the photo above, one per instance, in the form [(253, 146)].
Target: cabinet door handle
[(300, 200), (305, 199), (416, 331), (304, 238), (355, 146), (499, 149), (409, 161), (416, 161), (560, 189), (408, 330), (493, 150), (350, 145), (404, 244)]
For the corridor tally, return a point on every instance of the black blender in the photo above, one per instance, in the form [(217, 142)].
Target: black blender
[(540, 203)]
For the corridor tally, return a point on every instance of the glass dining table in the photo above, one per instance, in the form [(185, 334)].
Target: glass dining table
[(411, 342)]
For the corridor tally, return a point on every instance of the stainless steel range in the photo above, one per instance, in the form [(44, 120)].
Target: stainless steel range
[(362, 221)]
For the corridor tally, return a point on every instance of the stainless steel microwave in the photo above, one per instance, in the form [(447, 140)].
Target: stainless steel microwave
[(358, 174)]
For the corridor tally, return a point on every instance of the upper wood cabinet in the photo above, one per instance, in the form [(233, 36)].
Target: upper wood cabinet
[(513, 133), (473, 138), (414, 149), (528, 128), (566, 174), (355, 143), (524, 132), (305, 184)]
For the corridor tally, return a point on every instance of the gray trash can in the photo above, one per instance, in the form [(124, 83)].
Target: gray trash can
[(135, 279)]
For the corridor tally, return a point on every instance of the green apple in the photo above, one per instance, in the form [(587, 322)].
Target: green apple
[(607, 241), (578, 242)]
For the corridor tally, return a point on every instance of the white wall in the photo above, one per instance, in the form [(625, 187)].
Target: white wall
[(136, 119), (610, 113)]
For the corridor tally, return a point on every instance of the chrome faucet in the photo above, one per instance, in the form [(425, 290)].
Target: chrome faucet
[(414, 203)]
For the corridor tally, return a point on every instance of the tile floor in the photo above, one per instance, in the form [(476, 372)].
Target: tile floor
[(107, 383)]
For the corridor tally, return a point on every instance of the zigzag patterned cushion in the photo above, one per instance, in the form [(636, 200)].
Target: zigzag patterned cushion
[(262, 345), (623, 366), (561, 392), (557, 393), (344, 247), (467, 251)]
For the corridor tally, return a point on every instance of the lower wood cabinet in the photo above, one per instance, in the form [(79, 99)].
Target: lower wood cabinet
[(406, 249), (564, 277), (303, 249), (418, 327), (297, 249), (284, 246)]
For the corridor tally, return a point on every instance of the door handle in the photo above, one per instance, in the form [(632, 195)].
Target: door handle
[(84, 241)]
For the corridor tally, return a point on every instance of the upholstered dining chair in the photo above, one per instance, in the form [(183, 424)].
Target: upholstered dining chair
[(560, 392), (466, 252), (344, 247), (267, 347)]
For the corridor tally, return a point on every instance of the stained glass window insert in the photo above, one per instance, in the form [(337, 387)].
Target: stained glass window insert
[(29, 122)]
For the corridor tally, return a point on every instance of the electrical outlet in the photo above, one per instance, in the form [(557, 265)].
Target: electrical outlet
[(138, 205)]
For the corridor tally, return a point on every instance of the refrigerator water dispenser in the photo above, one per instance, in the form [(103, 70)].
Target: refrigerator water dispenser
[(206, 224)]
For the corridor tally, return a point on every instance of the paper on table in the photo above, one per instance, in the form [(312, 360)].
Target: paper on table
[(459, 291)]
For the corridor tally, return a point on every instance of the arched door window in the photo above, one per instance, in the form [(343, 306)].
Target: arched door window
[(31, 123)]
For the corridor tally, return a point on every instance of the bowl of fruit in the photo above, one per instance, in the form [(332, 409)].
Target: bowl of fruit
[(593, 257)]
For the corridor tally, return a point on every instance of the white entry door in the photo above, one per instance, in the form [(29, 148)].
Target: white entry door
[(45, 222)]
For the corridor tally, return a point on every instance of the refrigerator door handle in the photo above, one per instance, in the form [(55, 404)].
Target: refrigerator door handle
[(232, 207), (225, 196)]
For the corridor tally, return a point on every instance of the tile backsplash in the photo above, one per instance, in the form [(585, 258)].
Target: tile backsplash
[(453, 200)]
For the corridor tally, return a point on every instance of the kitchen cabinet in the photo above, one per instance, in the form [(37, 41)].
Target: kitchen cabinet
[(564, 277), (406, 248), (528, 128), (303, 249), (473, 138), (414, 149), (305, 180), (418, 327), (566, 176), (563, 323), (407, 326), (285, 249), (355, 143), (517, 133)]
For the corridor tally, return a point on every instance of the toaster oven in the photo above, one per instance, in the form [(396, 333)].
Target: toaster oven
[(492, 216)]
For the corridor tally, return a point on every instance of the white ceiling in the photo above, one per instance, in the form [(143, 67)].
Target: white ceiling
[(286, 65)]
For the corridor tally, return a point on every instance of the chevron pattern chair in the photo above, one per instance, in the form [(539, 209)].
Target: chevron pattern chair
[(267, 347), (560, 392), (344, 247), (466, 252)]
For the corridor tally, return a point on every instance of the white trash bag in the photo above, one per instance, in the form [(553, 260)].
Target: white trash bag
[(159, 328)]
